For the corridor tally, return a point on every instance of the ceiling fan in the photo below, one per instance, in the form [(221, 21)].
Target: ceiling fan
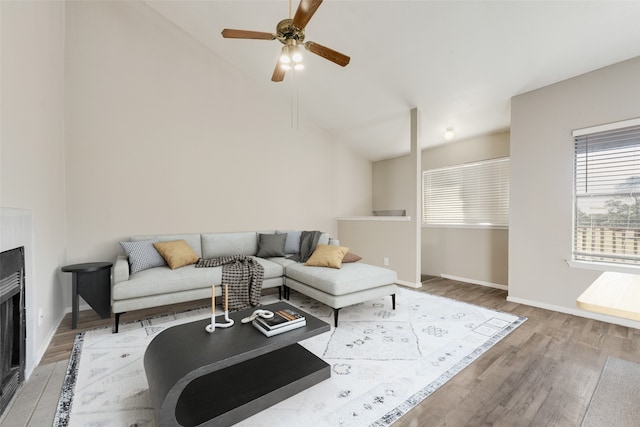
[(290, 32)]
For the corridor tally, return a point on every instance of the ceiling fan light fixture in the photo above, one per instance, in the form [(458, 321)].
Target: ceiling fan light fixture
[(285, 58), (285, 67), (299, 66), (297, 55)]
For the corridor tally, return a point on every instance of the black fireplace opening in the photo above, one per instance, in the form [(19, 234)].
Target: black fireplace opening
[(12, 324)]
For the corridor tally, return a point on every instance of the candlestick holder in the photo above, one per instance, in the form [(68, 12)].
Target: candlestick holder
[(228, 322), (212, 327)]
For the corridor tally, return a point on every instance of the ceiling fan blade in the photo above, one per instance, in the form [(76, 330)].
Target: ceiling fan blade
[(243, 34), (305, 11), (278, 73), (327, 53)]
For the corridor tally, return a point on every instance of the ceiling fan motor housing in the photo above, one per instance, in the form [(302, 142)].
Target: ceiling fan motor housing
[(286, 31)]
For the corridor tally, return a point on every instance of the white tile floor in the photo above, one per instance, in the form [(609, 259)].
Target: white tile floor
[(37, 399)]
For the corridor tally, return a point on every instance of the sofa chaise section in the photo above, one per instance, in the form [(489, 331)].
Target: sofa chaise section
[(352, 284)]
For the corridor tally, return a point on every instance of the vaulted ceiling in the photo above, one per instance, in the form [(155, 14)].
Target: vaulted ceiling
[(459, 62)]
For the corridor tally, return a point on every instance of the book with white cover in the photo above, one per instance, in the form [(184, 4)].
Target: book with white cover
[(272, 332), (281, 318)]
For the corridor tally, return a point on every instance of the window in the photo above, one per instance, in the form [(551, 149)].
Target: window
[(606, 194), (472, 194)]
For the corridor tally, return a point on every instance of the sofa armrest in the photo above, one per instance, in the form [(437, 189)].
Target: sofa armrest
[(334, 242), (121, 269)]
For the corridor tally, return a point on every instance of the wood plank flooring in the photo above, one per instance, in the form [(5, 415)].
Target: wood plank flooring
[(544, 373)]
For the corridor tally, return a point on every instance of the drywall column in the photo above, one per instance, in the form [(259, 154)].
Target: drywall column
[(416, 215)]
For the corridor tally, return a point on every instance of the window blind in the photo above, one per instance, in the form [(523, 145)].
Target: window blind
[(606, 196), (469, 194)]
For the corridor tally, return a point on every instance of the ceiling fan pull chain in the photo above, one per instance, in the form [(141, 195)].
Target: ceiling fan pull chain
[(295, 103)]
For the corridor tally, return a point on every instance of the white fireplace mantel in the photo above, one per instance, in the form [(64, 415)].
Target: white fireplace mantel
[(16, 230)]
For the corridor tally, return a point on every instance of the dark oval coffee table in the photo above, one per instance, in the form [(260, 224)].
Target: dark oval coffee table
[(197, 378)]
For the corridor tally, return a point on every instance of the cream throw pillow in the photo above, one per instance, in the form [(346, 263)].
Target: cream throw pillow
[(327, 256), (177, 253)]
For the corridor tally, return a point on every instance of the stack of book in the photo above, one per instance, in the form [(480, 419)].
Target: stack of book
[(282, 321)]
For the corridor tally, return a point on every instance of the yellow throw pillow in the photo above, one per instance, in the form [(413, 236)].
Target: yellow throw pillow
[(327, 256), (177, 253)]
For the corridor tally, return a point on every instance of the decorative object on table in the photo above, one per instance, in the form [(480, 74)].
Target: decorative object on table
[(106, 382), (228, 322), (91, 281), (281, 318), (266, 314)]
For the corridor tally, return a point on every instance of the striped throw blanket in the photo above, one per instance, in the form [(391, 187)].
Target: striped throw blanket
[(243, 274)]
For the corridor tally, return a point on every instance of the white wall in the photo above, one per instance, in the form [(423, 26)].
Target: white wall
[(164, 137), (542, 181), (32, 152)]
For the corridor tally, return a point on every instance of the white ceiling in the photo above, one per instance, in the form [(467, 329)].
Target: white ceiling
[(459, 62)]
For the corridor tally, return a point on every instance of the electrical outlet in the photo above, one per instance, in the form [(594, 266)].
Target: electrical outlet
[(386, 261), (40, 317)]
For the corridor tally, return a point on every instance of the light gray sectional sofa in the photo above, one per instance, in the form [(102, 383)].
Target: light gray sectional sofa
[(159, 285)]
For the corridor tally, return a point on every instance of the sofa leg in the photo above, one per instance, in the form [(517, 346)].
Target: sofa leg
[(287, 292), (115, 326), (393, 301), (279, 292), (335, 317)]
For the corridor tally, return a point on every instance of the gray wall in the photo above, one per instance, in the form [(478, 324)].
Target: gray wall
[(542, 181), (476, 255)]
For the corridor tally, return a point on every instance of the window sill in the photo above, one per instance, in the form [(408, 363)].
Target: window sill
[(480, 226), (603, 266)]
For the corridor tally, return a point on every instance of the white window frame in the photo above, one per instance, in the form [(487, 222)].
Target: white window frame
[(576, 258), (444, 207)]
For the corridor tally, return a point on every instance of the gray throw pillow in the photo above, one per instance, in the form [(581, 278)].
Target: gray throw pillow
[(142, 255), (292, 243), (271, 245)]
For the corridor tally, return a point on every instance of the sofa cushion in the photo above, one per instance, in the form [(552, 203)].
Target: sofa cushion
[(193, 240), (271, 245), (271, 269), (352, 277), (324, 239), (292, 243), (163, 280), (177, 253), (142, 255), (215, 245), (327, 256)]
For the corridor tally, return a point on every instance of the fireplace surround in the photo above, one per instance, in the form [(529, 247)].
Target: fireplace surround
[(12, 324)]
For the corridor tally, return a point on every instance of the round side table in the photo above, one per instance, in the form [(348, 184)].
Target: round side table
[(92, 281)]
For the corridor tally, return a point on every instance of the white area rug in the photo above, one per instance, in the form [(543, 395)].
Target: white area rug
[(383, 363)]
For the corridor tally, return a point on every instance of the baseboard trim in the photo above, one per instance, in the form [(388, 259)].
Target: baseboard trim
[(475, 282), (409, 284), (577, 312)]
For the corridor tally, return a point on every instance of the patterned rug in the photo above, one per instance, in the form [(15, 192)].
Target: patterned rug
[(383, 363)]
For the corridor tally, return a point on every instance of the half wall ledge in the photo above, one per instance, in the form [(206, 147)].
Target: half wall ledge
[(374, 218)]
